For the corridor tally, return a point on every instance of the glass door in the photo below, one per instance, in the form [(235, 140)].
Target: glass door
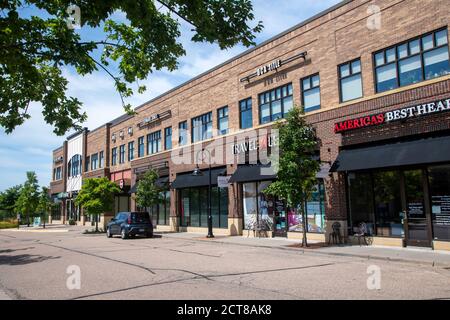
[(417, 225)]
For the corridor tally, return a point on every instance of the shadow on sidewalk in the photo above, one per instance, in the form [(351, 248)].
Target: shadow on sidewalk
[(23, 259)]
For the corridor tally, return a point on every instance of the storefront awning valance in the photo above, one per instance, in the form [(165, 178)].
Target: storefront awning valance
[(187, 180), (251, 173), (162, 182), (430, 150)]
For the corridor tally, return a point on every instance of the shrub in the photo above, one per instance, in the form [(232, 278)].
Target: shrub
[(72, 222), (8, 224)]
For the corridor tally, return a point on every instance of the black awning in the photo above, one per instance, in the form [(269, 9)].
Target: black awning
[(251, 173), (162, 182), (424, 151), (187, 180)]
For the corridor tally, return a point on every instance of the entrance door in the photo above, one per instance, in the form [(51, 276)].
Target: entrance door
[(417, 223)]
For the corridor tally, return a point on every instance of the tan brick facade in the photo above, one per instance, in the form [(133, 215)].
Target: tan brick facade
[(330, 39)]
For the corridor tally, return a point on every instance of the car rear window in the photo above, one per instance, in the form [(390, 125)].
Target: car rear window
[(140, 217)]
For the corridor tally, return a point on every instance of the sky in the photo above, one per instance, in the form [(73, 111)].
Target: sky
[(29, 147)]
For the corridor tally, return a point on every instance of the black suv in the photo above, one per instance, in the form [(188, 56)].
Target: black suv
[(130, 224)]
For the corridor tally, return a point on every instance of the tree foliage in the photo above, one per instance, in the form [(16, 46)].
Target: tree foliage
[(29, 197), (296, 166), (8, 200), (35, 49), (97, 196), (45, 204), (148, 193)]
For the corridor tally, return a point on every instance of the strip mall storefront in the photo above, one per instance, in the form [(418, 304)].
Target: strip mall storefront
[(400, 186)]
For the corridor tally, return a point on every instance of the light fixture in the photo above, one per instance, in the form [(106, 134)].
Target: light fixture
[(197, 172), (130, 131)]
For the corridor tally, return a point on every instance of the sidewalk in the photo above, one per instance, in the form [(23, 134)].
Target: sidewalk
[(409, 255), (48, 228)]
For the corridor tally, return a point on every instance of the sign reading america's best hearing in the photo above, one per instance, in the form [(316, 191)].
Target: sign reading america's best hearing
[(395, 115)]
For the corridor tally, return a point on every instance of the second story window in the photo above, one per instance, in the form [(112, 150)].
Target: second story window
[(222, 120), (275, 104), (114, 156), (350, 82), (122, 154), (418, 59), (57, 174), (141, 147), (154, 142), (202, 127), (101, 163), (75, 165), (130, 150), (311, 93), (182, 133), (87, 164), (94, 161), (245, 113), (168, 138)]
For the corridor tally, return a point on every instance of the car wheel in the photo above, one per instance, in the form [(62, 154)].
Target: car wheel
[(108, 233), (124, 234), (149, 235)]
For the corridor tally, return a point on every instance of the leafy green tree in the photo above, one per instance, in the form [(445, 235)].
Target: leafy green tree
[(296, 167), (148, 193), (8, 200), (45, 204), (97, 196), (28, 198), (36, 48)]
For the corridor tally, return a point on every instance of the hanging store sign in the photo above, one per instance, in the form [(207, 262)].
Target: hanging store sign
[(223, 181), (273, 66), (395, 115)]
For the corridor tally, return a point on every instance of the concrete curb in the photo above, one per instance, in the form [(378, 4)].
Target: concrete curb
[(433, 263)]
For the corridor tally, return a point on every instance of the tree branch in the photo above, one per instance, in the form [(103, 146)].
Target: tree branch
[(172, 9)]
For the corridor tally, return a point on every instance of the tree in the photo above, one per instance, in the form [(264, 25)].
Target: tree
[(8, 200), (296, 166), (28, 198), (97, 196), (36, 49), (45, 204), (148, 193)]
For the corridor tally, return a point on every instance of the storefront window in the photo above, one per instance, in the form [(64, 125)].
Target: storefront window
[(315, 209), (388, 205), (250, 206), (439, 178), (360, 201), (194, 207)]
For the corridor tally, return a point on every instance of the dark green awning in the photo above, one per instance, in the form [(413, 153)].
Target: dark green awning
[(187, 180)]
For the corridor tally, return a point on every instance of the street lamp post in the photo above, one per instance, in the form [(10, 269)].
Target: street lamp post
[(198, 172)]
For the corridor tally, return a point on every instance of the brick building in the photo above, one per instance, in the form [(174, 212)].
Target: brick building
[(374, 78)]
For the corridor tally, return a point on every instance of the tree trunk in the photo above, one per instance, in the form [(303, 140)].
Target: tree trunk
[(44, 220), (96, 223), (28, 220), (304, 223)]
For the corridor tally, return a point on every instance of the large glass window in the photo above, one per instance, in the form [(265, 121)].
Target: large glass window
[(311, 93), (439, 178), (122, 154), (194, 207), (257, 206), (275, 104), (375, 199), (245, 113), (101, 163), (154, 142), (57, 173), (168, 138), (114, 156), (416, 60), (94, 161), (388, 206), (182, 133), (350, 80), (202, 127), (161, 212), (141, 147), (75, 166), (222, 120), (130, 150)]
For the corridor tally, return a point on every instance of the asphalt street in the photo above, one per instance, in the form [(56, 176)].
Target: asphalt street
[(71, 265)]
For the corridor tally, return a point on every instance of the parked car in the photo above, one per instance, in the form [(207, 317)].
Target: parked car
[(130, 224)]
